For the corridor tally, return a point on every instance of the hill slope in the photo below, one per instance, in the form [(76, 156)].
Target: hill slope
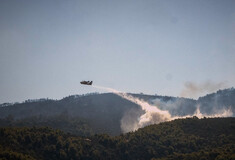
[(190, 138), (102, 113)]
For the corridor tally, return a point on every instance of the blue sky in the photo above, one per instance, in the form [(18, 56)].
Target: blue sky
[(154, 46)]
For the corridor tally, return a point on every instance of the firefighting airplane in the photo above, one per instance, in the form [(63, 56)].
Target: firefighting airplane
[(86, 82)]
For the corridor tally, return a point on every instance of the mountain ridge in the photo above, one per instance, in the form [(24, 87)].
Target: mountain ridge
[(102, 113)]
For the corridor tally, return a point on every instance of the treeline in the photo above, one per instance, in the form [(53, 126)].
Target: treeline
[(190, 138), (71, 125), (102, 112)]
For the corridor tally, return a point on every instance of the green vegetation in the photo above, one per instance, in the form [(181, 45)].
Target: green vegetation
[(85, 115), (75, 126), (101, 112), (190, 138)]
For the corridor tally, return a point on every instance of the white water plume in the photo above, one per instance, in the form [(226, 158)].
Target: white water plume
[(106, 88), (152, 114)]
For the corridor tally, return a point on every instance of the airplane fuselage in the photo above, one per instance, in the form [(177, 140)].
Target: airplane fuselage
[(86, 82)]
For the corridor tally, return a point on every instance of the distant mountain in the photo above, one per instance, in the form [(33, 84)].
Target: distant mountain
[(222, 99), (191, 138), (209, 104), (102, 113)]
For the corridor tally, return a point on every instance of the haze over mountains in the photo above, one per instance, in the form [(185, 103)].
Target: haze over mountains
[(106, 113)]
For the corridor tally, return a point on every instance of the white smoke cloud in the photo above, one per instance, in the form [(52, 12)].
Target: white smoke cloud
[(219, 113), (132, 121), (176, 107)]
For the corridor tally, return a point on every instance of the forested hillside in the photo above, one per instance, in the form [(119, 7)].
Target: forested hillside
[(102, 113), (190, 138)]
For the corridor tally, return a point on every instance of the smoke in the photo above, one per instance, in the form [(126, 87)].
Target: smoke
[(220, 113), (152, 114), (177, 106), (194, 90)]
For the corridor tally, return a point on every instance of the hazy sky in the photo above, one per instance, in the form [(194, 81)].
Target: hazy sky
[(163, 47)]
